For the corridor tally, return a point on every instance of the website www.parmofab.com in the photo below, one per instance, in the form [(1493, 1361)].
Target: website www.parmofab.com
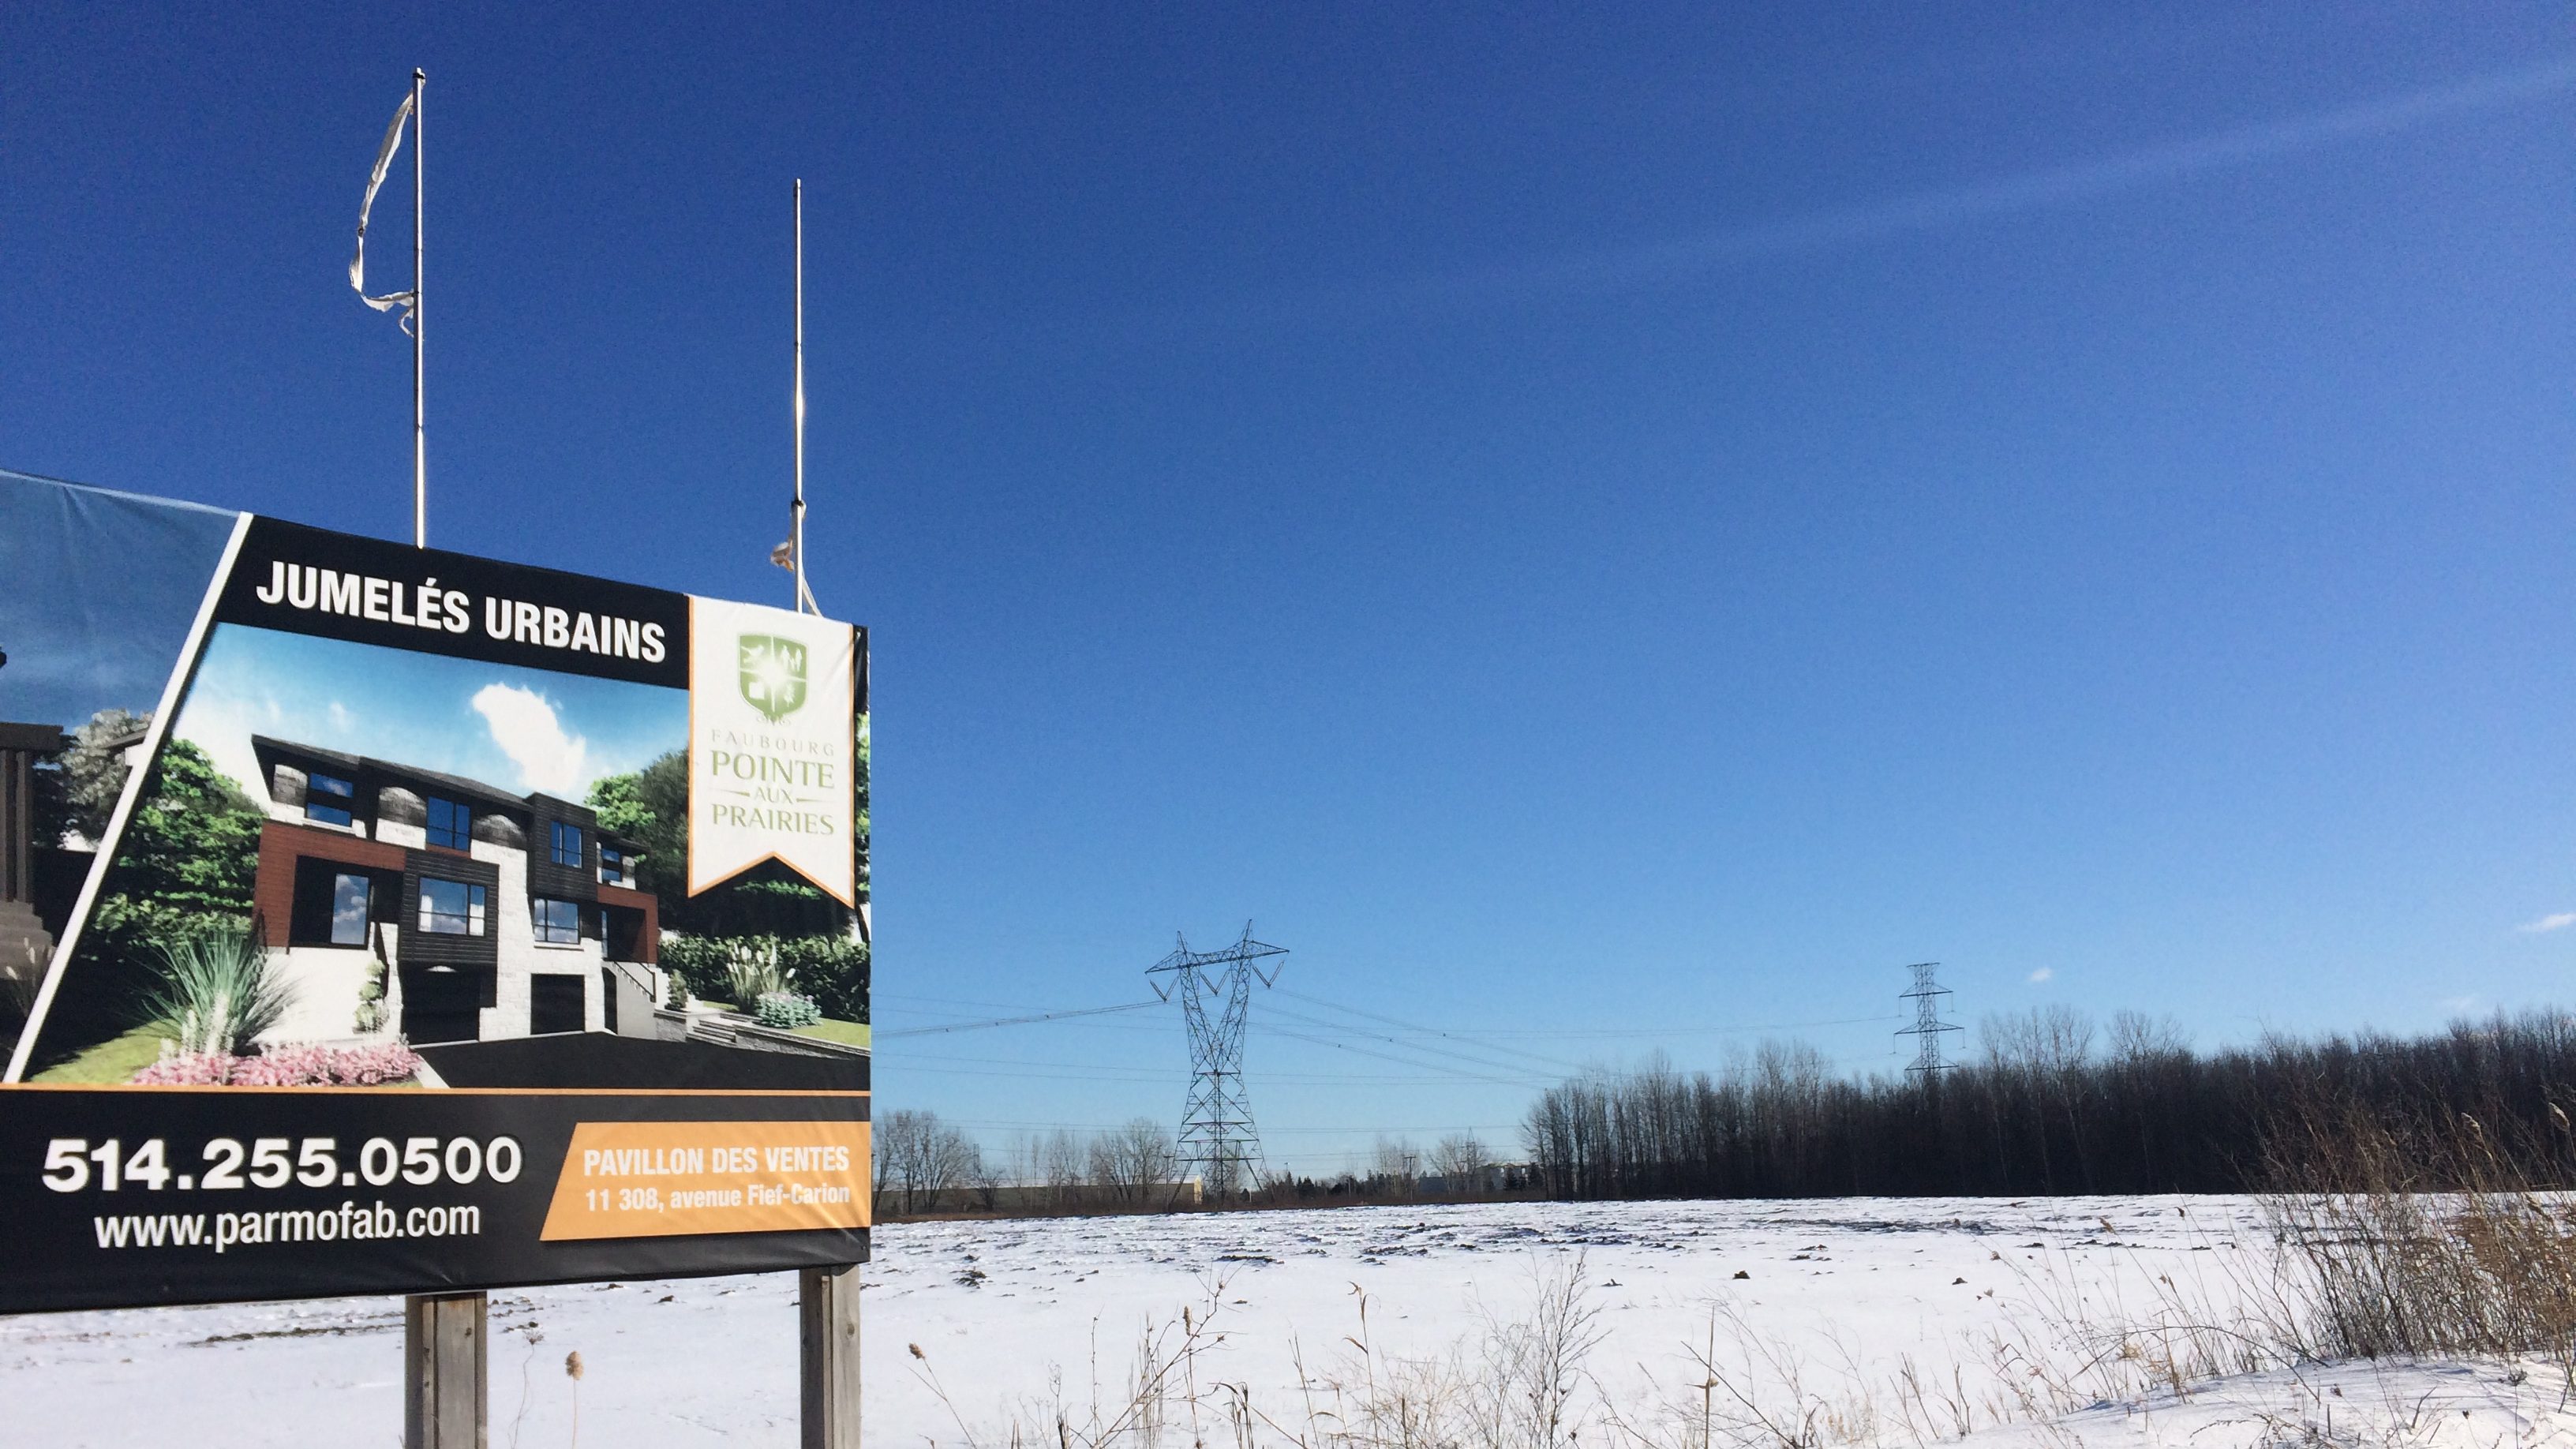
[(222, 1231)]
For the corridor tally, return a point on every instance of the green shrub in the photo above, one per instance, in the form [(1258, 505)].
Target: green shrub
[(830, 970), (753, 970), (217, 992), (786, 1010)]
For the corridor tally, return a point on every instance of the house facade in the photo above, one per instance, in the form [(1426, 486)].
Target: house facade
[(404, 901)]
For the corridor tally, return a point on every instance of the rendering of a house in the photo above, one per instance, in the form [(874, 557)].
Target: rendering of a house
[(403, 901)]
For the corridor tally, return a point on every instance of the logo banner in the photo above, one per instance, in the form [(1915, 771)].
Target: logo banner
[(772, 758)]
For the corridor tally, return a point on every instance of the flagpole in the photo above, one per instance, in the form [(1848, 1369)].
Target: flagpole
[(797, 536), (419, 429)]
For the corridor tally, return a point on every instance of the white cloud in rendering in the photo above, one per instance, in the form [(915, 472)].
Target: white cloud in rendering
[(2557, 922), (524, 725), (2044, 973)]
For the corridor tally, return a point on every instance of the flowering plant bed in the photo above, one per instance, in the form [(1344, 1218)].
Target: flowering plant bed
[(293, 1066)]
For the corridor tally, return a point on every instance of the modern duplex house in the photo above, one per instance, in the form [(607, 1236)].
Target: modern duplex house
[(478, 914)]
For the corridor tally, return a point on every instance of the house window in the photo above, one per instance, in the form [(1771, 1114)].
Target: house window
[(558, 922), (567, 845), (450, 824), (327, 798), (331, 906), (451, 907), (348, 910), (612, 865)]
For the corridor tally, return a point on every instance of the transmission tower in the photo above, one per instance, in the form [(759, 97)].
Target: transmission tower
[(1217, 1136), (1928, 1025)]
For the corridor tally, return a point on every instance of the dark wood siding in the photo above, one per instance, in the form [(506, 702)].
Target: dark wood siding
[(562, 882), (425, 948)]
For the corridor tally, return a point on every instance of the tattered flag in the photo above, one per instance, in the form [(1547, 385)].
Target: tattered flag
[(376, 180)]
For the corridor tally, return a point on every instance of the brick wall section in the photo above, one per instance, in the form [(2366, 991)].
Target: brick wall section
[(281, 845)]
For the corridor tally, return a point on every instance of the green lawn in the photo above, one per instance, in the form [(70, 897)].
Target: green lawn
[(114, 1061), (848, 1033)]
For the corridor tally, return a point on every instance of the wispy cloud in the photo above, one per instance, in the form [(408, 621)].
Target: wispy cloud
[(1681, 259), (2044, 973), (2084, 180), (2556, 922), (524, 725)]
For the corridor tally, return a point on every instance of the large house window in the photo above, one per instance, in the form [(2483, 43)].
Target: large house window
[(612, 865), (327, 798), (348, 910), (451, 907), (567, 845), (558, 922), (331, 904), (450, 824)]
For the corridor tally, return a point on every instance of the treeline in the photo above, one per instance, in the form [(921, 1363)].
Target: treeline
[(924, 1166), (2049, 1103), (927, 1167)]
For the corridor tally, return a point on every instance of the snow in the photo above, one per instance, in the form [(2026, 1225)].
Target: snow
[(1997, 1306)]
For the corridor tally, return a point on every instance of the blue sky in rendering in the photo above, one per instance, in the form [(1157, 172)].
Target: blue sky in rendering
[(1602, 528), (520, 730)]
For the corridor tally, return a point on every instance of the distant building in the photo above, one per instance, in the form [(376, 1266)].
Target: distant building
[(478, 914)]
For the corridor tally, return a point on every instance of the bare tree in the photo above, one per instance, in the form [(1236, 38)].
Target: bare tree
[(921, 1158), (1131, 1161), (2137, 1037), (1397, 1166), (1061, 1161), (1460, 1162)]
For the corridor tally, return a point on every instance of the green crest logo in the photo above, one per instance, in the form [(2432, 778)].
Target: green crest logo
[(773, 675)]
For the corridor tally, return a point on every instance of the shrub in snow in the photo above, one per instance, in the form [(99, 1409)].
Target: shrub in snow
[(294, 1066), (786, 1010)]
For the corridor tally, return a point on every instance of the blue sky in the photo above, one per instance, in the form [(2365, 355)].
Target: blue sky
[(101, 590), (520, 730), (1599, 530)]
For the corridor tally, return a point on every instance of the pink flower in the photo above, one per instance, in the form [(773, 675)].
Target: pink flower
[(287, 1066)]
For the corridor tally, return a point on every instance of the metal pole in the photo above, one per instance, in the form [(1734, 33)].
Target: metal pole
[(796, 536), (419, 430), (446, 1379), (827, 1317)]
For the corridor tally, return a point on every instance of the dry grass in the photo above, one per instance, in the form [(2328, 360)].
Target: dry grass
[(2482, 1263)]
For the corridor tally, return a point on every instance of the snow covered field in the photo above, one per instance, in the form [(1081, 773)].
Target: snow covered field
[(1992, 1308)]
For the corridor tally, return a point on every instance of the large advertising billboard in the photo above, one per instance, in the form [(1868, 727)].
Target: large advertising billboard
[(380, 919)]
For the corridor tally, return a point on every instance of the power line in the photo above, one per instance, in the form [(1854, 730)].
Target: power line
[(1397, 1042), (1488, 1037), (996, 1125), (1011, 1020), (1430, 1030), (911, 1062), (1524, 1083)]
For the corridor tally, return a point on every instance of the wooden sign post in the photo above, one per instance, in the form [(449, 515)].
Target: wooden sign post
[(446, 1387), (827, 1316)]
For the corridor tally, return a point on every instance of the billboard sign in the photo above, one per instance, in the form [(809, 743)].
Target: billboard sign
[(377, 919)]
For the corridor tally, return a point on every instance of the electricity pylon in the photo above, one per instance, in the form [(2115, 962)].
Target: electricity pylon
[(1217, 1135), (1928, 1025)]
